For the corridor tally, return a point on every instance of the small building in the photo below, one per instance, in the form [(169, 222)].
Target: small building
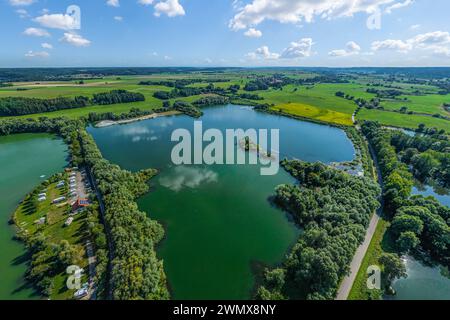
[(40, 222), (68, 222), (60, 184), (80, 203), (59, 200), (42, 195)]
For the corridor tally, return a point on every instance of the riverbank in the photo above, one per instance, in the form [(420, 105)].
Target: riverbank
[(108, 123)]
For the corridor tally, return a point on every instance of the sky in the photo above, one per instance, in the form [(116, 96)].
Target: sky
[(249, 33)]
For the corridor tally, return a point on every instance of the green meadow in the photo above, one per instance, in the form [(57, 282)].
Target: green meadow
[(400, 120), (318, 102)]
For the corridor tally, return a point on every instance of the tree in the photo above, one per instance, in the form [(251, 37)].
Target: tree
[(404, 222), (393, 267), (407, 241)]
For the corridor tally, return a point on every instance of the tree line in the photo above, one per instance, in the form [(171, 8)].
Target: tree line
[(419, 224), (429, 156), (17, 106)]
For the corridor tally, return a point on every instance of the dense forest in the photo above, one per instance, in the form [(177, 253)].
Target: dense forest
[(211, 101), (117, 96), (187, 109), (418, 224), (183, 92), (179, 83), (334, 210), (134, 113), (428, 156), (16, 106)]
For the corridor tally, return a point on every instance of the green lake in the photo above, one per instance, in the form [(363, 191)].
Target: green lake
[(24, 160), (425, 282), (220, 225)]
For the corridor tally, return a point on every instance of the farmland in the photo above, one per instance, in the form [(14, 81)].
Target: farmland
[(317, 100)]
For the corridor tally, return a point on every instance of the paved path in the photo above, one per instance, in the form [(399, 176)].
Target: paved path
[(92, 262), (347, 283)]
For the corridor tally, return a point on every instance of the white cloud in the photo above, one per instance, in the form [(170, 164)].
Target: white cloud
[(352, 48), (171, 8), (75, 39), (118, 18), (300, 49), (295, 11), (57, 21), (18, 3), (46, 45), (390, 44), (188, 177), (145, 2), (39, 54), (437, 42), (253, 33), (36, 32), (398, 5), (263, 53), (296, 50), (431, 38), (442, 51), (113, 3), (22, 13), (415, 27)]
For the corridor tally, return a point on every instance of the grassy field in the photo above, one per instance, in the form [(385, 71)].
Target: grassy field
[(396, 119), (317, 102), (429, 104), (373, 254), (321, 96), (310, 112), (55, 231)]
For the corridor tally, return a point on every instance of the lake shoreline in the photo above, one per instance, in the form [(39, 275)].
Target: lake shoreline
[(108, 123)]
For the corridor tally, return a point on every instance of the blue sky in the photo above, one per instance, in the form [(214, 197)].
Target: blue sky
[(225, 33)]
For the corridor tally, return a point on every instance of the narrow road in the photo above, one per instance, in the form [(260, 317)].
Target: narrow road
[(347, 283), (92, 262), (107, 231)]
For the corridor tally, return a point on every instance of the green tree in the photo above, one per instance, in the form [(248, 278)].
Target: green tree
[(393, 267), (407, 241)]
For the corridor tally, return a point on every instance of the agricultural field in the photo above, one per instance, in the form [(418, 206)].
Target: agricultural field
[(427, 104), (316, 101), (314, 113), (400, 120)]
